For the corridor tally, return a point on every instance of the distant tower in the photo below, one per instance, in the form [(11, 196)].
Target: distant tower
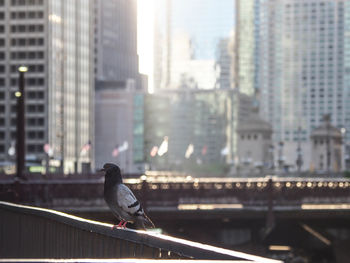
[(302, 56), (116, 58), (326, 147), (254, 143)]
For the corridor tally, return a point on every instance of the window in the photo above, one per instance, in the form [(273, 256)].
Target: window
[(31, 135), (40, 95), (40, 121), (31, 41), (21, 42), (31, 108), (31, 148), (31, 15), (14, 82), (21, 15), (31, 82), (21, 28), (13, 121)]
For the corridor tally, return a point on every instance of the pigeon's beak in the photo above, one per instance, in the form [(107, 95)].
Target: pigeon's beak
[(102, 170)]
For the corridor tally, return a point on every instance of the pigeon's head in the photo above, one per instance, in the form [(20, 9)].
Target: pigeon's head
[(113, 174)]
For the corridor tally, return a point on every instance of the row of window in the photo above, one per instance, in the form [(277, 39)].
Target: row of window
[(31, 68), (29, 94), (25, 2), (30, 135), (27, 55), (32, 121), (31, 148), (27, 28), (27, 42), (254, 136), (27, 15), (30, 108), (29, 82)]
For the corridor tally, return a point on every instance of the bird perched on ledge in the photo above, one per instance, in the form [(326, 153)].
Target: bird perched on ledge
[(121, 199)]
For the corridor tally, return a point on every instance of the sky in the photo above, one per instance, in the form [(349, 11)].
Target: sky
[(211, 21), (145, 19)]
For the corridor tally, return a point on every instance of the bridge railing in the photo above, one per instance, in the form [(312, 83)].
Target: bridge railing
[(28, 232), (177, 190)]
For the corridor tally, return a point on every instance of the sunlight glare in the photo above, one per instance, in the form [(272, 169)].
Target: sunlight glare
[(145, 24)]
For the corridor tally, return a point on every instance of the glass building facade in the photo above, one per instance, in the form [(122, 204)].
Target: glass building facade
[(303, 68), (52, 38), (70, 74)]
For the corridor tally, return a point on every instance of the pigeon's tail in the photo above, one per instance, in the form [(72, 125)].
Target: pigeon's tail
[(144, 222), (149, 222)]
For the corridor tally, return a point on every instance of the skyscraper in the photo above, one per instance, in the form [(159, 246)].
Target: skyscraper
[(303, 69), (119, 86), (187, 35), (116, 58), (54, 39)]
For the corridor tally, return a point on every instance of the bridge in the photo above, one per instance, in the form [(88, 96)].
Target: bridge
[(167, 192), (250, 214)]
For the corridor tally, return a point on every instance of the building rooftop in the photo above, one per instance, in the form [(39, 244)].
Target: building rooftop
[(254, 123)]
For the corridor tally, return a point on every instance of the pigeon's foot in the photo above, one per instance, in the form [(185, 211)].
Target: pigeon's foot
[(121, 224), (124, 225)]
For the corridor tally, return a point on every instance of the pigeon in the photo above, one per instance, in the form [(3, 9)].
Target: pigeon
[(121, 199)]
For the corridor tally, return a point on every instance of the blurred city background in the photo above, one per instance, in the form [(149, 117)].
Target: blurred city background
[(251, 95), (230, 87)]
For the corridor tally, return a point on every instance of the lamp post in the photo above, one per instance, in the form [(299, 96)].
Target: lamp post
[(299, 161), (20, 131), (343, 143)]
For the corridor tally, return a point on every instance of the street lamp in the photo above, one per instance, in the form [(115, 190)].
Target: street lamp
[(343, 142), (20, 131)]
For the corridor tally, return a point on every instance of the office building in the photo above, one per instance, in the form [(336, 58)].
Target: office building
[(294, 55), (116, 58), (119, 136), (119, 86), (54, 40)]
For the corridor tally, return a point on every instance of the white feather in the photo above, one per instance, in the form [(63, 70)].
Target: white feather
[(126, 199)]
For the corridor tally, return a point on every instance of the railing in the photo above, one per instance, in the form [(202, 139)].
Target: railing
[(28, 232), (175, 191)]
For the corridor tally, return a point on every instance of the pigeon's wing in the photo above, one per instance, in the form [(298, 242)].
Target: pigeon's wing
[(128, 202)]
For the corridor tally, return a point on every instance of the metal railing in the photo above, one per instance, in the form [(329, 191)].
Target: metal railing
[(29, 232)]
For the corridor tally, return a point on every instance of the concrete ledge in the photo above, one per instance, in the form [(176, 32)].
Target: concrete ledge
[(43, 230)]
